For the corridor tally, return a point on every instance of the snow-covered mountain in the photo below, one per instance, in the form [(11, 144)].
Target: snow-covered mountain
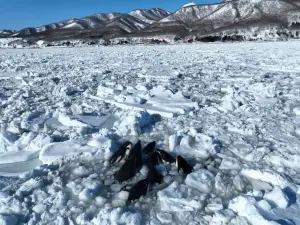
[(127, 23), (191, 13), (133, 21), (189, 4), (245, 18), (6, 33), (149, 16), (237, 17), (285, 10)]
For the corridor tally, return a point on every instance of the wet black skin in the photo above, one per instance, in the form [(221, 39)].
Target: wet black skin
[(138, 190), (127, 170), (136, 152), (183, 166), (149, 148), (166, 156), (154, 159), (153, 176)]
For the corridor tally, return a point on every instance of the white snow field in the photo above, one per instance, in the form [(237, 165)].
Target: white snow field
[(231, 110)]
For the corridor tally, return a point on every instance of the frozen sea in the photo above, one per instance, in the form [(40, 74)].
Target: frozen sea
[(231, 110)]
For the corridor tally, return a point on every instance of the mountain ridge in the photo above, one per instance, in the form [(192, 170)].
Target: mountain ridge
[(98, 20), (247, 19)]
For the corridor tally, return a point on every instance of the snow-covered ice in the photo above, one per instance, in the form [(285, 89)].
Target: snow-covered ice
[(201, 180), (179, 197), (231, 110), (277, 197)]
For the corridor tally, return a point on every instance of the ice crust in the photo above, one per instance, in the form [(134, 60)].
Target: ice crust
[(231, 110)]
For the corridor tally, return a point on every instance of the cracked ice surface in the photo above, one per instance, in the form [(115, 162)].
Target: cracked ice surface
[(232, 110)]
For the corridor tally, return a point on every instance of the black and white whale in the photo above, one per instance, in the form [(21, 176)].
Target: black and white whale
[(127, 170), (153, 176), (154, 159), (165, 156), (136, 152), (119, 155), (182, 165), (149, 148), (138, 190)]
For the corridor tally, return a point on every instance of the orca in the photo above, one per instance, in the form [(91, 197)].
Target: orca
[(119, 155), (153, 176), (136, 152), (149, 148), (182, 165), (127, 170), (154, 159), (166, 157), (138, 190)]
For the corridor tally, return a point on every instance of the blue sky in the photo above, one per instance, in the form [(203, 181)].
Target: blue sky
[(17, 14)]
